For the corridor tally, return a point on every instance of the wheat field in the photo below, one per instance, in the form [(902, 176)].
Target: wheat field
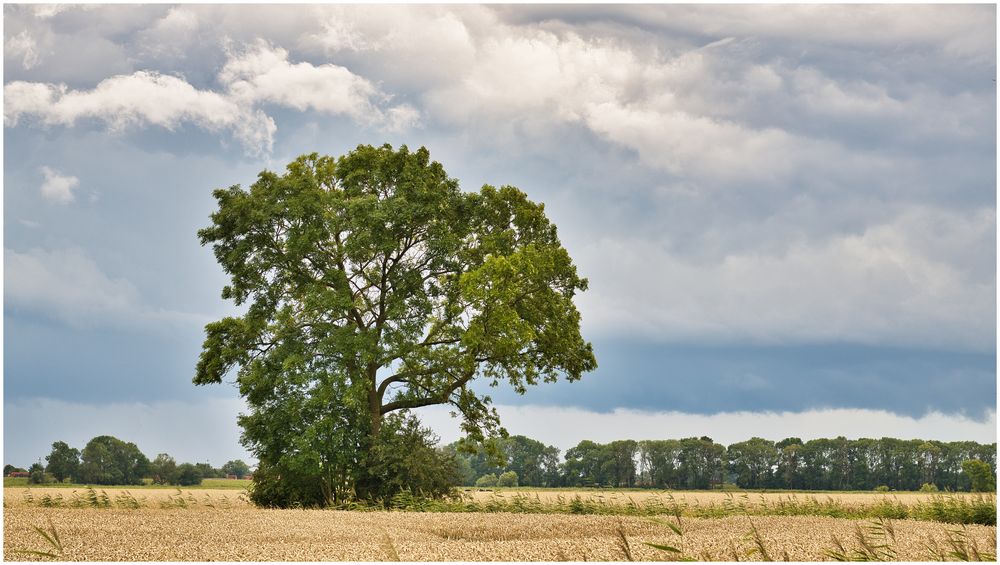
[(207, 525), (249, 534)]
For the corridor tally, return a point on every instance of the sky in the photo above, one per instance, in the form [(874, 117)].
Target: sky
[(787, 214)]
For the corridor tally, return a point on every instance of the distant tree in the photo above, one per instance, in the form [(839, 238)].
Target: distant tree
[(107, 460), (236, 467), (466, 473), (63, 462), (37, 474), (163, 470), (980, 475), (701, 461), (619, 462), (788, 441), (188, 475), (208, 471), (535, 463), (753, 462), (508, 479), (584, 465), (486, 481)]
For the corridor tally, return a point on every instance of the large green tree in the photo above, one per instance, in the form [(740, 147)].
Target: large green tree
[(107, 460), (63, 461), (373, 285)]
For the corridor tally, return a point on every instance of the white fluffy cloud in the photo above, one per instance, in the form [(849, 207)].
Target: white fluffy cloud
[(140, 99), (255, 77), (58, 188), (67, 285), (263, 74), (566, 427)]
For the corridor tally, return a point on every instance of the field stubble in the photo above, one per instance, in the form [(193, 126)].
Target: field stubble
[(207, 525), (249, 534)]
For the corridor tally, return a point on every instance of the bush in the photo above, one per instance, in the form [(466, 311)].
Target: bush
[(508, 479), (487, 481), (37, 474), (928, 487), (881, 488), (188, 475), (404, 459), (282, 487)]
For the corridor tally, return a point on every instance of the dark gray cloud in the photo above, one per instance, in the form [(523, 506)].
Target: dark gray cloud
[(708, 380)]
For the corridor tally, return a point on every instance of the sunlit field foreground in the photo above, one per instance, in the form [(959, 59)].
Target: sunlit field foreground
[(203, 525)]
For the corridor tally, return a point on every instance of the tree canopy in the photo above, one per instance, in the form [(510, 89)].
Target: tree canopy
[(374, 285), (63, 462), (107, 460)]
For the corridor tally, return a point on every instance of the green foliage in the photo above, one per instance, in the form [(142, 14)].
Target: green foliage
[(107, 460), (536, 464), (980, 475), (209, 472), (753, 462), (373, 261), (508, 479), (487, 481), (881, 488), (188, 475), (405, 458), (981, 509), (37, 474), (237, 467), (928, 487), (63, 462), (285, 487), (163, 470)]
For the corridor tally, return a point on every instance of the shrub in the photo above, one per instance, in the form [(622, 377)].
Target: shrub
[(37, 474), (487, 481), (881, 488), (188, 475), (403, 459), (508, 479), (928, 487)]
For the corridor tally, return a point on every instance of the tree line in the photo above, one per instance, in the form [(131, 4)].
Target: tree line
[(701, 463), (107, 460)]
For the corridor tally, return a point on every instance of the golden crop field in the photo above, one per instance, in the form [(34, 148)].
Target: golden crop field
[(216, 525)]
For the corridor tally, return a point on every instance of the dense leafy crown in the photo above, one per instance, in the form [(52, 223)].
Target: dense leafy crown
[(375, 276)]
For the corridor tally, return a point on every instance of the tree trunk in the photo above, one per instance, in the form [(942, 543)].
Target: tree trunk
[(375, 412)]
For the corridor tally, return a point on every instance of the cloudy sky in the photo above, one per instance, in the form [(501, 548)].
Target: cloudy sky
[(787, 214)]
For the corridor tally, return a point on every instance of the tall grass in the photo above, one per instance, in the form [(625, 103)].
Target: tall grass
[(950, 508)]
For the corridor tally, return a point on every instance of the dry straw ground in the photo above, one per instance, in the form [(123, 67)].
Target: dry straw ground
[(208, 529)]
